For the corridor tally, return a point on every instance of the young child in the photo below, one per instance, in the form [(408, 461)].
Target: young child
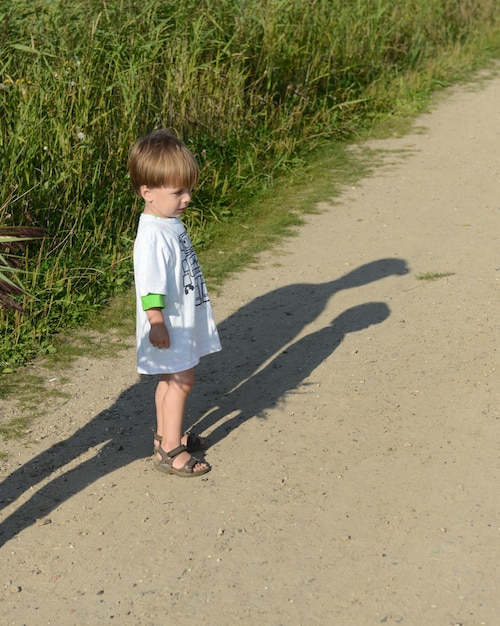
[(175, 324)]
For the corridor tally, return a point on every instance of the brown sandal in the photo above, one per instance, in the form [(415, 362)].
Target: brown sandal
[(194, 443), (187, 470)]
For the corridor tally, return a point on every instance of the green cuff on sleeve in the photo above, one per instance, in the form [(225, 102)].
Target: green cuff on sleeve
[(152, 301)]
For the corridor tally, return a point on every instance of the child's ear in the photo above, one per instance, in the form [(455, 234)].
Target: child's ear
[(145, 193)]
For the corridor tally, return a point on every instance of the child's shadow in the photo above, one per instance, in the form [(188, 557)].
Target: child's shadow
[(110, 440), (256, 333), (289, 369), (264, 327)]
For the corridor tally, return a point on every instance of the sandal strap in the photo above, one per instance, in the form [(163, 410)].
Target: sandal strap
[(168, 457), (193, 442), (189, 465), (192, 438), (176, 451), (156, 436)]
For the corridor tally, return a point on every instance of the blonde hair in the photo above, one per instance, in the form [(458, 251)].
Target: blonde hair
[(160, 159)]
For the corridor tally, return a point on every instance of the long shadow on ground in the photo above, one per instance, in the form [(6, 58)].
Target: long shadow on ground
[(262, 360)]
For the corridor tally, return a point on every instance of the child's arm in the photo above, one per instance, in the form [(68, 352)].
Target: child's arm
[(158, 335), (152, 304)]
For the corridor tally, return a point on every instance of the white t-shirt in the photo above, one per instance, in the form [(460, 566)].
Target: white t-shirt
[(165, 263)]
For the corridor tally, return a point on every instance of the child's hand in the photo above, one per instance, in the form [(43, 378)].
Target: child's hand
[(158, 335)]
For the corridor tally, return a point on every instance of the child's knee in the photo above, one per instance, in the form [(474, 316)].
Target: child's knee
[(184, 380)]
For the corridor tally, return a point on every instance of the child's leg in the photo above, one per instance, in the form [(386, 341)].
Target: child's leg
[(171, 396), (161, 391)]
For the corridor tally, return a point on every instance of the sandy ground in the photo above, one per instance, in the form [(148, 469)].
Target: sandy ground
[(353, 417)]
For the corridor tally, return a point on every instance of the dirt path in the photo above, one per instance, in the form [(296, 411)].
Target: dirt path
[(354, 419)]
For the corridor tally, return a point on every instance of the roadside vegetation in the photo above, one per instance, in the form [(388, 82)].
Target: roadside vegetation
[(433, 275), (259, 90)]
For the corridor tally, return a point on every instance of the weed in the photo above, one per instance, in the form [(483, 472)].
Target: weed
[(433, 275)]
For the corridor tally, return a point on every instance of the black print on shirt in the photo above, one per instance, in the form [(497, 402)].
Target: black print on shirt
[(192, 276)]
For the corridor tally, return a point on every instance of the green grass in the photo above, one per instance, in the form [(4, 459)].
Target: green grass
[(433, 275), (260, 91)]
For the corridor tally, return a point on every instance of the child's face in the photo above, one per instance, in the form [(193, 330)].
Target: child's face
[(165, 201)]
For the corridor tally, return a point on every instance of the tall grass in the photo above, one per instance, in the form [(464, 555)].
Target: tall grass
[(250, 85)]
